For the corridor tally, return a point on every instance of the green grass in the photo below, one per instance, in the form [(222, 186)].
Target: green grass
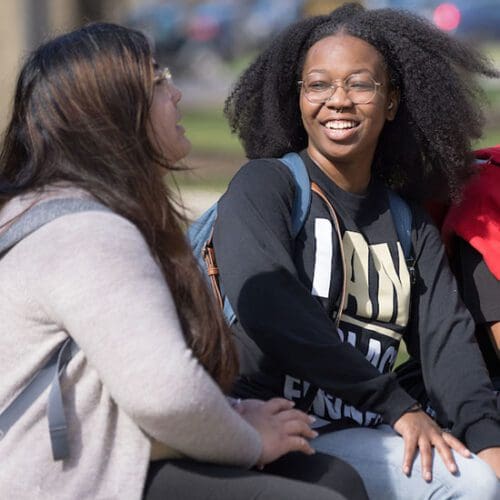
[(402, 355), (490, 138), (209, 131)]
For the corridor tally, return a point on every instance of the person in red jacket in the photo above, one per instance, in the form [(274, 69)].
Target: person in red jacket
[(471, 230)]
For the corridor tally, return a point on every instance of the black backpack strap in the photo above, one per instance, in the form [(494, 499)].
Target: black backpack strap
[(50, 373)]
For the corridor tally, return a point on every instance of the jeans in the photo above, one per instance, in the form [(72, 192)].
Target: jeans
[(377, 454)]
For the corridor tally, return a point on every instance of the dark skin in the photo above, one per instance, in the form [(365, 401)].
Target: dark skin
[(345, 155), (342, 138)]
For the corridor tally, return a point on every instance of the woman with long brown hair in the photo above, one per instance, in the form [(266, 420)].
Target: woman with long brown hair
[(95, 120)]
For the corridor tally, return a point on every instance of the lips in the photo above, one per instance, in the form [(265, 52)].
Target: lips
[(341, 124), (340, 130)]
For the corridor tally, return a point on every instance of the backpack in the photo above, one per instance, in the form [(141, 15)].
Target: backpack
[(50, 373), (200, 232)]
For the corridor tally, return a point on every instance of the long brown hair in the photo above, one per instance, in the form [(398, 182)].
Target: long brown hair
[(80, 115)]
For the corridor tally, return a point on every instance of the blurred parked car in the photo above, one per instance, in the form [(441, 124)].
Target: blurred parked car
[(215, 23), (266, 18), (474, 19), (164, 24)]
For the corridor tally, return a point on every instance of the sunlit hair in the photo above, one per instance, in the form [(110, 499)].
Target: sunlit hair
[(439, 116), (80, 116)]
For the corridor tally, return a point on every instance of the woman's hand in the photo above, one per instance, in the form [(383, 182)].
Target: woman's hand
[(420, 432), (282, 429)]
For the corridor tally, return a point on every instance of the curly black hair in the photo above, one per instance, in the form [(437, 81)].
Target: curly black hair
[(440, 110)]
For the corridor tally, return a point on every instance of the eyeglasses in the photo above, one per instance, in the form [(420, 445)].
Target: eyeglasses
[(360, 89), (163, 75)]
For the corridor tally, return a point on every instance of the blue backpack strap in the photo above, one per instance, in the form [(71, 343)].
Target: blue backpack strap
[(200, 232), (50, 373), (300, 209), (402, 217), (302, 200)]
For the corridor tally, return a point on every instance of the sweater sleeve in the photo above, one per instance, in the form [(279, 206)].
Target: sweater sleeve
[(96, 278), (442, 337), (254, 251)]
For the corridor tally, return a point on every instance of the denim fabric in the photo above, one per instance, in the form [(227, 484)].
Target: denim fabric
[(377, 454)]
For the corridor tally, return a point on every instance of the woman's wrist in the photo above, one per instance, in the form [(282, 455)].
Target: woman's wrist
[(414, 408)]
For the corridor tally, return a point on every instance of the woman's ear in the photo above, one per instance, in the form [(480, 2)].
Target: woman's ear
[(392, 105)]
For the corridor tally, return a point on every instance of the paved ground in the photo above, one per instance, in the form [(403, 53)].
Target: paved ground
[(198, 200), (206, 179)]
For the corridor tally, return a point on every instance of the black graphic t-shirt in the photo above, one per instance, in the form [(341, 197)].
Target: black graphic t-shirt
[(285, 293), (377, 295)]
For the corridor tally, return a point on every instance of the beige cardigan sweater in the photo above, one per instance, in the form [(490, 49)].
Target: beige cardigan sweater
[(90, 275)]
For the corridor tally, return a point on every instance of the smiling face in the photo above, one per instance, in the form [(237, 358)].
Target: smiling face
[(164, 130), (342, 134)]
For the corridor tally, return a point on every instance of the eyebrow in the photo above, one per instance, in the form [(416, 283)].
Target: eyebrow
[(355, 72)]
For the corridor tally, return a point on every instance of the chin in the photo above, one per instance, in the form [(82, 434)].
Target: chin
[(179, 153)]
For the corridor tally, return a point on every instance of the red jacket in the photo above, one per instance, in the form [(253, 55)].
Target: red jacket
[(476, 219)]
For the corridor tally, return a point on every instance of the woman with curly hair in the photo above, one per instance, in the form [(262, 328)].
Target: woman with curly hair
[(96, 123), (373, 101)]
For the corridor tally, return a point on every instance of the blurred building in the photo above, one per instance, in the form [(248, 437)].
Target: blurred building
[(319, 7), (26, 23)]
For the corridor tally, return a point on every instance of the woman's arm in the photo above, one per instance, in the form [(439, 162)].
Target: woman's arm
[(94, 276)]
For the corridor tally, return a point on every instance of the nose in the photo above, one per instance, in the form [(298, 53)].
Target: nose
[(339, 97), (176, 93)]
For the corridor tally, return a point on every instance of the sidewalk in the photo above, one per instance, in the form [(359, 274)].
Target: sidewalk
[(198, 200)]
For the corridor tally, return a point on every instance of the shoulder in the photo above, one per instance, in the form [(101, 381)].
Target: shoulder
[(265, 174), (90, 239)]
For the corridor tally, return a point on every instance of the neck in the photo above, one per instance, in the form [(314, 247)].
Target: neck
[(352, 177)]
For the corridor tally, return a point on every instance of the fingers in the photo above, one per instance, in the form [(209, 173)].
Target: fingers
[(297, 443), (425, 449), (287, 415), (446, 455), (409, 454), (456, 444), (299, 428), (277, 405), (444, 444)]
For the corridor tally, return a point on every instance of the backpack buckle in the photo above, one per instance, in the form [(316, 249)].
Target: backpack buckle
[(410, 264)]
